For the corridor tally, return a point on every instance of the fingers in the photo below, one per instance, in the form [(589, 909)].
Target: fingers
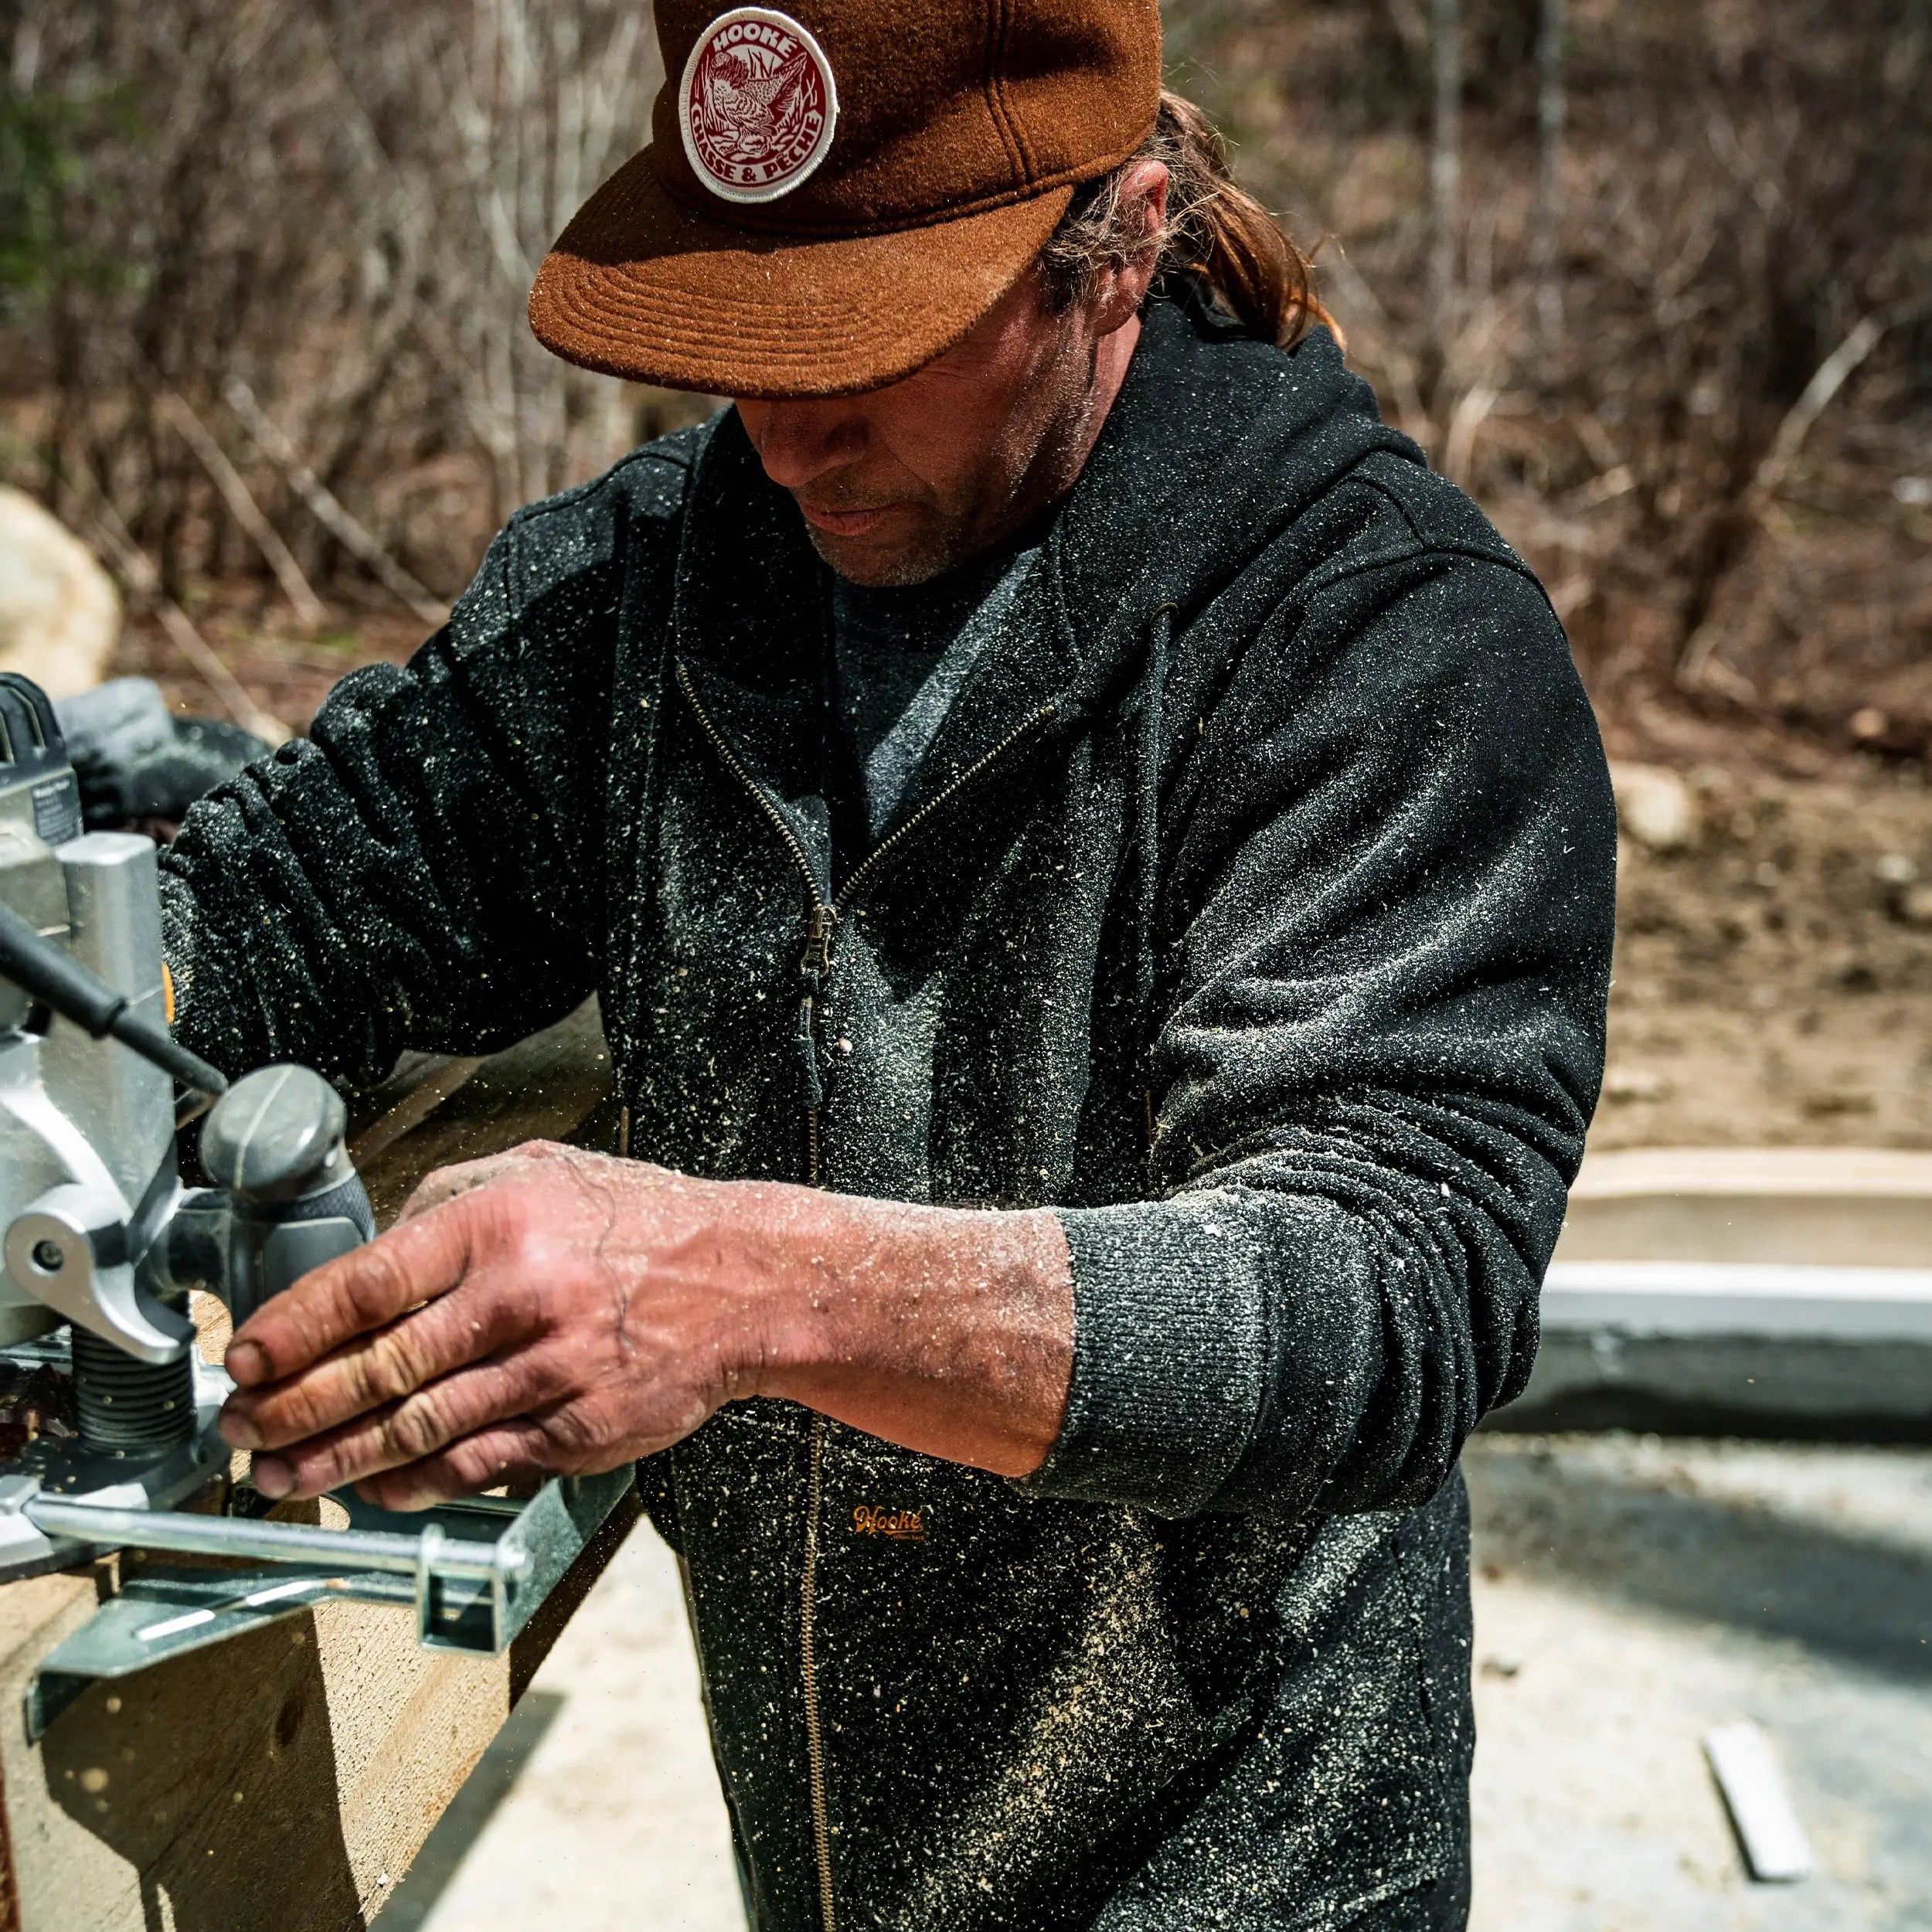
[(491, 1314), (420, 1425), (502, 1453), (472, 1341), (361, 1291)]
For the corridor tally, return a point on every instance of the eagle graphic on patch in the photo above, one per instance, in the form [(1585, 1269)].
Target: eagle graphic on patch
[(758, 105)]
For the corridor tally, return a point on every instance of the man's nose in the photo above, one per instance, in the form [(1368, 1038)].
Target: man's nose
[(799, 442)]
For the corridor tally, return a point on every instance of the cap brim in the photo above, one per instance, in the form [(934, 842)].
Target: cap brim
[(641, 286)]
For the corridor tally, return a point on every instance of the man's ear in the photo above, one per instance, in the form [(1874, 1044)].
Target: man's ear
[(1122, 291)]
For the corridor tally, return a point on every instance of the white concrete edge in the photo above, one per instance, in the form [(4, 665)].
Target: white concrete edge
[(1687, 1298)]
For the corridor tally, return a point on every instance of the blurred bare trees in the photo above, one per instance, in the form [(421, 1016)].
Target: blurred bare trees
[(286, 335), (478, 130), (1782, 226), (1654, 278)]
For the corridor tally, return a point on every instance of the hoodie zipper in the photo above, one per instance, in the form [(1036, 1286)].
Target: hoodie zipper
[(815, 974), (815, 966)]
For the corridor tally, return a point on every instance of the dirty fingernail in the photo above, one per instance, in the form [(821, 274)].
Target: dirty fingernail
[(272, 1477), (240, 1432), (247, 1362)]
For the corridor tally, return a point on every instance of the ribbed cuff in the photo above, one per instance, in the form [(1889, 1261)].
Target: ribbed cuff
[(1170, 1352)]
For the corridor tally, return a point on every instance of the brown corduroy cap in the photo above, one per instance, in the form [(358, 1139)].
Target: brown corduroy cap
[(835, 193)]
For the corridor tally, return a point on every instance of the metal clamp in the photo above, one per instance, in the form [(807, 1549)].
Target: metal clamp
[(477, 1572)]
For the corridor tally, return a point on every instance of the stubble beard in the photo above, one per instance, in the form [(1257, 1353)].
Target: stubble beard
[(944, 538), (1011, 492), (927, 554)]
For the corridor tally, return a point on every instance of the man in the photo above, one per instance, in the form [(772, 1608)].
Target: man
[(1097, 869)]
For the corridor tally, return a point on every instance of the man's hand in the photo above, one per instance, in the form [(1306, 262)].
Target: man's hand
[(554, 1311)]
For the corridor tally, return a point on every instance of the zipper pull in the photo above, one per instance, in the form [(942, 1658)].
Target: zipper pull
[(817, 963), (814, 1086), (814, 969)]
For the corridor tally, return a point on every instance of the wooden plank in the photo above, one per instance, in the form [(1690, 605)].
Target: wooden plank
[(281, 1781), (551, 1087)]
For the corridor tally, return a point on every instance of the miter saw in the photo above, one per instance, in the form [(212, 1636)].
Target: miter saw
[(107, 1413)]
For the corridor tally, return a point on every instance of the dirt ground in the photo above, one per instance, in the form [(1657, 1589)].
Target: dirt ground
[(1774, 976), (1632, 1594), (288, 673)]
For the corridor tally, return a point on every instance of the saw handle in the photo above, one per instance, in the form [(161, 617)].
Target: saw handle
[(275, 1145)]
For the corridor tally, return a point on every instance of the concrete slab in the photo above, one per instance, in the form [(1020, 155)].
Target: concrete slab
[(1776, 1292), (1632, 1592), (597, 1808)]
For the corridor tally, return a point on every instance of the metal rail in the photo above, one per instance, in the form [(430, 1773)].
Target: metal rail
[(434, 1552)]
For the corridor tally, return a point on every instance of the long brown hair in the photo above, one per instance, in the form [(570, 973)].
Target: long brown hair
[(1215, 230)]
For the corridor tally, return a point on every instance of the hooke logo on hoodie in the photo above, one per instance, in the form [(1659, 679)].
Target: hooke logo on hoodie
[(758, 105)]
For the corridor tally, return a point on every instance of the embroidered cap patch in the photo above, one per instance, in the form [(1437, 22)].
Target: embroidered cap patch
[(758, 105)]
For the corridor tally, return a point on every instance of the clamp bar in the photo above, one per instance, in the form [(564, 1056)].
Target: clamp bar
[(476, 1571), (432, 1554)]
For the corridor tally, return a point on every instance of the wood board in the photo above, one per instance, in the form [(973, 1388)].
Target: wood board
[(1817, 1207)]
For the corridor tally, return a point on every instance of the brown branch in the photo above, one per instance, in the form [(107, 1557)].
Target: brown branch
[(327, 508), (1552, 113), (309, 609), (138, 575), (1697, 664), (1473, 408), (1445, 167), (1385, 351), (1830, 376)]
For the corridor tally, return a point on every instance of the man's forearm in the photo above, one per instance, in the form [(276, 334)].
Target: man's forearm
[(945, 1330)]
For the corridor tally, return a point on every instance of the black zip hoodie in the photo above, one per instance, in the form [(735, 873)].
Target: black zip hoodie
[(1252, 909)]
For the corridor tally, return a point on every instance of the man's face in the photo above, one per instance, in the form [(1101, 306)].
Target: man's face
[(901, 483)]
